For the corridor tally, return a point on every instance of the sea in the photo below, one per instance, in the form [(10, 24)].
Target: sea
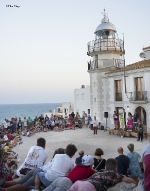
[(25, 110)]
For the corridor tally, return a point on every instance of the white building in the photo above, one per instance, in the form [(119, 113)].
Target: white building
[(62, 110), (107, 81), (82, 100)]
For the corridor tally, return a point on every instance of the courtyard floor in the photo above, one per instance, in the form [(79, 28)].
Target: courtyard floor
[(83, 139)]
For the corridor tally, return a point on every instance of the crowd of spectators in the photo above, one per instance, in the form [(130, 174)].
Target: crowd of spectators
[(29, 126), (87, 174), (60, 174)]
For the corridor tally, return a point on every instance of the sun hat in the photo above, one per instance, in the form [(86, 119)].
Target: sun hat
[(87, 160)]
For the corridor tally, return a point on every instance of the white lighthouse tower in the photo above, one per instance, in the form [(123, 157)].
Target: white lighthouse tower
[(107, 52)]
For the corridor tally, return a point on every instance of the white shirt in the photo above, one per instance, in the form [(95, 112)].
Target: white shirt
[(62, 165), (25, 122), (47, 166), (95, 123), (5, 124), (5, 138), (36, 158), (52, 123)]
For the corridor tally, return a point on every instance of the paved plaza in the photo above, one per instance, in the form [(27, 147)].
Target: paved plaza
[(83, 139)]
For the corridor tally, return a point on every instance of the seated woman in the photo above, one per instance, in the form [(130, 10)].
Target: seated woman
[(134, 163), (99, 162)]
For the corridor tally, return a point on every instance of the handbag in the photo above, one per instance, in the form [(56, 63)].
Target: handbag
[(98, 164)]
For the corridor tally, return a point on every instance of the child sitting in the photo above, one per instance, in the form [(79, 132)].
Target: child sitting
[(103, 179), (62, 165)]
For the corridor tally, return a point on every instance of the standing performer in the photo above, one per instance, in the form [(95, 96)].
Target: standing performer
[(95, 125), (140, 131), (115, 116)]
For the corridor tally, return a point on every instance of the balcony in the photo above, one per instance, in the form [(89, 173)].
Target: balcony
[(104, 44), (105, 63), (139, 96), (118, 96)]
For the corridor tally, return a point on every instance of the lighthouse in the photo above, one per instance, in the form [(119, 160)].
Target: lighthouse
[(107, 53)]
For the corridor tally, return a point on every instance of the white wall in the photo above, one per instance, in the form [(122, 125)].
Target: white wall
[(109, 55), (82, 103), (147, 52)]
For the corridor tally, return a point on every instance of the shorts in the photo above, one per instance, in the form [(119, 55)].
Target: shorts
[(42, 178)]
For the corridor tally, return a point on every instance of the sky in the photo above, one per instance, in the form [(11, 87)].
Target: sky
[(43, 44)]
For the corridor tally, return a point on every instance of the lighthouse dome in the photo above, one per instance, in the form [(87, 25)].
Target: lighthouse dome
[(105, 27)]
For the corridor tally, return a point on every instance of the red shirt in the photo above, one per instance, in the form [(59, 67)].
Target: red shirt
[(9, 136), (80, 173), (147, 173)]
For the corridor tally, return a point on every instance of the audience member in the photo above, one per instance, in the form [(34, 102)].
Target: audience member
[(123, 162), (78, 160), (36, 157), (62, 165), (146, 163), (102, 180), (28, 180), (99, 162), (134, 163)]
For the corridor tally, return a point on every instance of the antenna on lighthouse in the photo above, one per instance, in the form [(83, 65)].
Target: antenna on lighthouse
[(104, 13)]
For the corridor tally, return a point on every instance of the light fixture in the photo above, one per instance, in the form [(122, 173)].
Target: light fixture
[(127, 107)]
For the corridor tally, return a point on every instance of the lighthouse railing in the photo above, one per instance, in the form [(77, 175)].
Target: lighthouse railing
[(104, 63), (100, 44)]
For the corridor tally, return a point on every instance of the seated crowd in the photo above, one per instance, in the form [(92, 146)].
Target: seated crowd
[(60, 174), (29, 127)]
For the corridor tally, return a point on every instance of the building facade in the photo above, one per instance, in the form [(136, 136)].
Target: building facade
[(114, 86), (82, 100)]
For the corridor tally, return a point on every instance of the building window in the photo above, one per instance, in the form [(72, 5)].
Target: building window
[(83, 96), (95, 99), (88, 111), (139, 94), (118, 90)]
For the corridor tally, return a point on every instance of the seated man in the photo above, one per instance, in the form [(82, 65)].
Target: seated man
[(103, 179), (123, 162), (62, 165), (36, 157)]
